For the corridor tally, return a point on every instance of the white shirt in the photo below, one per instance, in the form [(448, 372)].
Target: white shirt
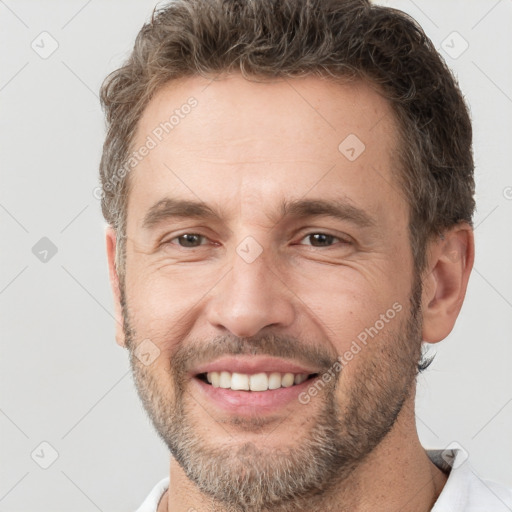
[(464, 490)]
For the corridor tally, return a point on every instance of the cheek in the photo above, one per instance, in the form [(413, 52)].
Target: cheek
[(162, 303), (346, 302)]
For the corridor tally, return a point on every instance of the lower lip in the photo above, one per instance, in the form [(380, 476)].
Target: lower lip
[(251, 403)]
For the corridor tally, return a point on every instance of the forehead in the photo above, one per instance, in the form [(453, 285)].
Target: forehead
[(232, 137), (244, 106)]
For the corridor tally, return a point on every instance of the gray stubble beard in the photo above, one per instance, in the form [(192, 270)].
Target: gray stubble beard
[(250, 478)]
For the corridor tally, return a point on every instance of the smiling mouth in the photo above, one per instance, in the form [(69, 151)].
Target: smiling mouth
[(263, 381)]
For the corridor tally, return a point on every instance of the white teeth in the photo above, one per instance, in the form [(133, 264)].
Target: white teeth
[(225, 380), (259, 382), (240, 381), (255, 382), (274, 381), (215, 377), (288, 379)]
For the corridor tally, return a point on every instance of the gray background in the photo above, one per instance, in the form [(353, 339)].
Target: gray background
[(65, 382)]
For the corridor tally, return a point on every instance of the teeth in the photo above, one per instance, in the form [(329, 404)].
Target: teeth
[(225, 380), (288, 379), (259, 382), (300, 378), (255, 382), (274, 381), (215, 378), (240, 381)]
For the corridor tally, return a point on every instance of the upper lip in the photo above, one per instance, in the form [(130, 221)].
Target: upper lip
[(251, 365)]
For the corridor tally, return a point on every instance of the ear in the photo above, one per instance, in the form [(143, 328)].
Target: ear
[(450, 260), (111, 242)]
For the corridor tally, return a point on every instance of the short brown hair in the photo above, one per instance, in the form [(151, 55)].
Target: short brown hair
[(350, 39)]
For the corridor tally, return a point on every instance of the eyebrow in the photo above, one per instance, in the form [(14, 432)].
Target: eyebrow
[(169, 208), (340, 209)]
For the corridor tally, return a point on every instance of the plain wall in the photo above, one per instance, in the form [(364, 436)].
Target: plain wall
[(64, 381)]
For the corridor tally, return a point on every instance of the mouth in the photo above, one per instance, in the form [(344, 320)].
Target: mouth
[(253, 395), (256, 382), (249, 386)]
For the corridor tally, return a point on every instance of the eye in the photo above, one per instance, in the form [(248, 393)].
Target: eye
[(187, 240), (323, 239), (191, 240)]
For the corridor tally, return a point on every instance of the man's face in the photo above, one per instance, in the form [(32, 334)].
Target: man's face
[(274, 284)]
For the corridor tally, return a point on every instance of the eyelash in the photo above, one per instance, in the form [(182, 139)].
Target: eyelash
[(342, 240)]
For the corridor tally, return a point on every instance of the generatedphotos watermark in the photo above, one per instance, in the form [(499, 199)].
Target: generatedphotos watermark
[(152, 140), (355, 347)]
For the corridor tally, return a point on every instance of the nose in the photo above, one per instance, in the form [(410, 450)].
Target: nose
[(251, 297)]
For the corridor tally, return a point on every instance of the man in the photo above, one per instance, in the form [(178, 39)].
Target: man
[(289, 191)]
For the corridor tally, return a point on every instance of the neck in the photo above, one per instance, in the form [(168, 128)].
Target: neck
[(396, 475)]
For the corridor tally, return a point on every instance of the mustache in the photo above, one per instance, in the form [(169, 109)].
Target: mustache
[(196, 352)]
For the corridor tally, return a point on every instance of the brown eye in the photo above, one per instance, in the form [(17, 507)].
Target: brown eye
[(321, 239), (189, 240)]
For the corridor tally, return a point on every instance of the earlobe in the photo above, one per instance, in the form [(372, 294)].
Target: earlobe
[(111, 242), (444, 286)]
